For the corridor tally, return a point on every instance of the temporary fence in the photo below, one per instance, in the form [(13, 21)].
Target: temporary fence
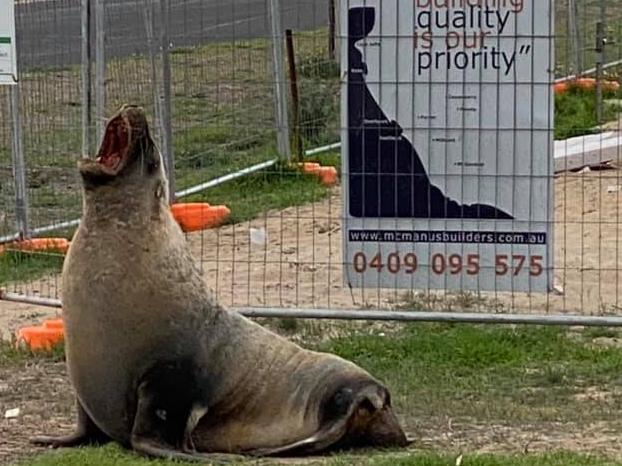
[(235, 107)]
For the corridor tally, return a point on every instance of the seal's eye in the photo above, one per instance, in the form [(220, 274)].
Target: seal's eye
[(338, 404), (152, 166)]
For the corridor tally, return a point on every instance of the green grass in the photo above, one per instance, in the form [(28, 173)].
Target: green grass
[(11, 356), (17, 266), (500, 374), (575, 112), (113, 455), (484, 375), (257, 194), (276, 188)]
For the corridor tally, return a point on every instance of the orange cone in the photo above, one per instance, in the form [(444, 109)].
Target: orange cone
[(40, 337), (199, 215), (54, 323), (310, 167), (585, 83), (39, 244), (328, 175)]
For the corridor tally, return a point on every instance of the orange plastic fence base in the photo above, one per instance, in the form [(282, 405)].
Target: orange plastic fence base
[(42, 337), (327, 175), (38, 245), (197, 216), (585, 83), (55, 323), (310, 167)]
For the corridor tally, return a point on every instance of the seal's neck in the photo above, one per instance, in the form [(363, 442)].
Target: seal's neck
[(130, 207)]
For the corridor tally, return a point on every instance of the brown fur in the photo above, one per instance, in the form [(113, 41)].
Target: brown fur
[(144, 336)]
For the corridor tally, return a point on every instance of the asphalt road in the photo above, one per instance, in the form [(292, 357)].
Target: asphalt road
[(48, 31)]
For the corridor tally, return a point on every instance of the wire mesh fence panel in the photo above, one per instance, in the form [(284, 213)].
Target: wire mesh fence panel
[(291, 241), (50, 105), (283, 244), (48, 35), (587, 207), (7, 192), (268, 208), (296, 259)]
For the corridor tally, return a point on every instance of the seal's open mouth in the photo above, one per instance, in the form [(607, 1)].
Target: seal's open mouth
[(124, 132), (113, 152)]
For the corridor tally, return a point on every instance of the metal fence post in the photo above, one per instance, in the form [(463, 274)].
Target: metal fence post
[(155, 80), (19, 166), (337, 12), (280, 93), (600, 61), (601, 42), (574, 30), (293, 83), (331, 29), (167, 131), (100, 67), (86, 78)]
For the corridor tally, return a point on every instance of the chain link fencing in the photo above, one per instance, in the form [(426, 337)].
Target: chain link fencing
[(231, 106), (229, 80)]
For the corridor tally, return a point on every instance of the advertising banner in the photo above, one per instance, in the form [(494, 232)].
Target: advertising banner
[(447, 144), (8, 56)]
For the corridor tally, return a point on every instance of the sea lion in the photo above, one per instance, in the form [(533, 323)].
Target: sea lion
[(158, 365)]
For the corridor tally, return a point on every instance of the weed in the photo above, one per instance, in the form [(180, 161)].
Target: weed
[(318, 67), (319, 111), (575, 112), (453, 301), (11, 355), (601, 332), (288, 324), (22, 266), (276, 188)]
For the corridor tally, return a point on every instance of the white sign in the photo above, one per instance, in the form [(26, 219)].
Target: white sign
[(8, 54), (448, 144)]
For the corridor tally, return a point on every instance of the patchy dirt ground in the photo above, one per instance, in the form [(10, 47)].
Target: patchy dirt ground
[(42, 392)]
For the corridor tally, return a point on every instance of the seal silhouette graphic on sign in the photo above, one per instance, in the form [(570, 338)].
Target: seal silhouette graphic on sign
[(387, 177)]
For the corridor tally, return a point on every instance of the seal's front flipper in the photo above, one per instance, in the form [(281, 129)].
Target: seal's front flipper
[(167, 412), (158, 436), (86, 433)]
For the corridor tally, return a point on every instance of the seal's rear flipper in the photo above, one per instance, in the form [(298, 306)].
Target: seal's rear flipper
[(86, 433), (154, 449), (353, 418), (316, 443)]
